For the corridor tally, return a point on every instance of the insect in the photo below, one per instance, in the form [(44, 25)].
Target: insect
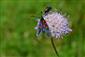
[(42, 25)]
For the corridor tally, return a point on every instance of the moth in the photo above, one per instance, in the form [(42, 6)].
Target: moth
[(42, 26)]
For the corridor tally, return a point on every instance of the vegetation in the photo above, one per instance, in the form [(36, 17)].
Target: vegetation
[(17, 34)]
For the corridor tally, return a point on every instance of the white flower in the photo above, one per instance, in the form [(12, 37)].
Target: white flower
[(57, 23)]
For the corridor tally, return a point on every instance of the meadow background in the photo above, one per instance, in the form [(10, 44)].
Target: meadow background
[(17, 34)]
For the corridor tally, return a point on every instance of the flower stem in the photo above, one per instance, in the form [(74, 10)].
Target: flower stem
[(54, 47)]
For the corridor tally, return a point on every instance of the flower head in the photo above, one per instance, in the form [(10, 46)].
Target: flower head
[(58, 24)]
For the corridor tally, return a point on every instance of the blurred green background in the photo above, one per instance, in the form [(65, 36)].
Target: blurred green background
[(17, 34)]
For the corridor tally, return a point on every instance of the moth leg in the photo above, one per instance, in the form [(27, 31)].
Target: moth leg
[(38, 32)]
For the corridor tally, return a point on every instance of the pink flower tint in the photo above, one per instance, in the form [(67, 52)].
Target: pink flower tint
[(58, 24)]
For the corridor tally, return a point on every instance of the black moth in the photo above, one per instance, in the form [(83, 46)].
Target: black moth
[(42, 26)]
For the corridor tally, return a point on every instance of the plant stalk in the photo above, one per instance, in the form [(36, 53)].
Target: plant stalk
[(53, 45)]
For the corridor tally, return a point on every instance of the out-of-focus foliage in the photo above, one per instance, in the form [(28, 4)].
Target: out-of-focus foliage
[(17, 34)]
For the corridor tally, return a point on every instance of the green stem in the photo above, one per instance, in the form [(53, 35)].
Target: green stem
[(54, 47)]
